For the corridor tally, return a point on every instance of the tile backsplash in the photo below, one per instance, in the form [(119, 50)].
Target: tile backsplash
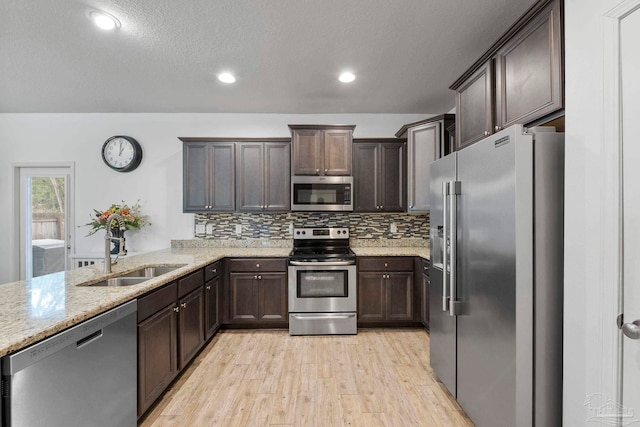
[(238, 226)]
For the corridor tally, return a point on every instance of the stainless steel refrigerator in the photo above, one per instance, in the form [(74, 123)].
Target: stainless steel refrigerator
[(496, 225)]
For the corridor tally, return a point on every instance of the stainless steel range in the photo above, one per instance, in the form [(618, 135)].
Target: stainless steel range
[(322, 283)]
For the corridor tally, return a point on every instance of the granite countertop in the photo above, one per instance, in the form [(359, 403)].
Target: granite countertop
[(35, 309)]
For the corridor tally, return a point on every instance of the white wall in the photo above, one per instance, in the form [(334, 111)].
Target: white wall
[(157, 182)]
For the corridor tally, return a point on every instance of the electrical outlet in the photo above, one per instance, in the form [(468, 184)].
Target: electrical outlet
[(291, 228), (393, 228), (209, 229), (199, 228), (238, 229)]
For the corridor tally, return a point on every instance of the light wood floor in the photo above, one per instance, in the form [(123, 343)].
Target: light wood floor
[(380, 377)]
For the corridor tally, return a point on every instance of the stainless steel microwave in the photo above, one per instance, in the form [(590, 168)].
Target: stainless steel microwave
[(321, 193)]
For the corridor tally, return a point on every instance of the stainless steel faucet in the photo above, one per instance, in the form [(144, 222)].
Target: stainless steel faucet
[(108, 238)]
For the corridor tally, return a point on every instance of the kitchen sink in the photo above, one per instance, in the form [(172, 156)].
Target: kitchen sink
[(138, 276), (121, 281), (152, 271)]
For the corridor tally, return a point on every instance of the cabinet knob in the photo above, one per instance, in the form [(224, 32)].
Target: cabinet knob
[(487, 133), (259, 277), (215, 270), (208, 288), (386, 265), (497, 128), (326, 170), (257, 265), (317, 171), (255, 277), (176, 309), (183, 305)]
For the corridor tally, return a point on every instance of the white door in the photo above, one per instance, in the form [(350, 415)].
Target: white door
[(46, 220), (630, 91)]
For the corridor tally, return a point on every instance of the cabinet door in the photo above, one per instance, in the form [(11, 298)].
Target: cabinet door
[(423, 148), (425, 300), (529, 71), (391, 179), (222, 176), (190, 326), (399, 296), (277, 176), (272, 296), (244, 304), (195, 191), (250, 176), (211, 308), (307, 151), (371, 297), (337, 152), (157, 355), (474, 107), (366, 177)]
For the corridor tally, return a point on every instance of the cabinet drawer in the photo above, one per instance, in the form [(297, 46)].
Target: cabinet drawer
[(212, 270), (258, 264), (190, 283), (157, 300), (385, 264)]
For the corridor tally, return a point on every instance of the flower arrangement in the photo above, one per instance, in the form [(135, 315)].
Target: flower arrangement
[(133, 218)]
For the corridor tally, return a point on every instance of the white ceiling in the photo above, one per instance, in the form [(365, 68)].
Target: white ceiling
[(286, 54)]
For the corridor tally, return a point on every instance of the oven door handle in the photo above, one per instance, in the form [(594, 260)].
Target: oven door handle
[(321, 263), (322, 317)]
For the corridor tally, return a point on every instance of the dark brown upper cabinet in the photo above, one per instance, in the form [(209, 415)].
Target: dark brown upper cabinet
[(262, 176), (379, 175), (520, 79), (427, 140), (321, 149), (208, 176)]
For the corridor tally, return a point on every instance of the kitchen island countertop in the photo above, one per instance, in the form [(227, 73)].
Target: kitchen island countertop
[(38, 308)]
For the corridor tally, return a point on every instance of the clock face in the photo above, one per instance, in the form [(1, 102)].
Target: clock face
[(122, 153)]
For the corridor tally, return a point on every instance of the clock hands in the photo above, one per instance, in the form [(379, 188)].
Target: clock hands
[(121, 149)]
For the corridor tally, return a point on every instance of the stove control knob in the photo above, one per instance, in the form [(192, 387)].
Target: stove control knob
[(339, 231), (298, 232), (304, 232)]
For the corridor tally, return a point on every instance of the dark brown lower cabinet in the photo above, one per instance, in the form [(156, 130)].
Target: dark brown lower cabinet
[(157, 344), (191, 326), (211, 307), (425, 283), (258, 298), (170, 333), (385, 295)]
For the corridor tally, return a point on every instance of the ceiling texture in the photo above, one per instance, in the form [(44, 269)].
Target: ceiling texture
[(286, 54)]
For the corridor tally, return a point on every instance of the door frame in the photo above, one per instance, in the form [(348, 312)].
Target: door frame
[(612, 235), (18, 260)]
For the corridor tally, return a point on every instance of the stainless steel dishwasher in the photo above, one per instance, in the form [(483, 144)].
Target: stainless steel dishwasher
[(84, 376)]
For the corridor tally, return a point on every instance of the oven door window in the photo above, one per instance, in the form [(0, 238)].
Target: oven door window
[(323, 284)]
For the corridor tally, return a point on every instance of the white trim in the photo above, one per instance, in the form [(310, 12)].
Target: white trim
[(611, 238)]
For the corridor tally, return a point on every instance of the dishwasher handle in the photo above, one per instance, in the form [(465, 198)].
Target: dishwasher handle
[(89, 339)]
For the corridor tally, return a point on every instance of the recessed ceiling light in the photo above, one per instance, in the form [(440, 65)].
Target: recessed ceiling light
[(103, 20), (226, 78), (347, 77)]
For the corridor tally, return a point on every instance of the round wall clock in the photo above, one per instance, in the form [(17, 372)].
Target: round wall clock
[(122, 153)]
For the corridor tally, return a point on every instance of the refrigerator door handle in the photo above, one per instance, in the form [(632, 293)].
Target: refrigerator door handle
[(445, 240), (454, 191)]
